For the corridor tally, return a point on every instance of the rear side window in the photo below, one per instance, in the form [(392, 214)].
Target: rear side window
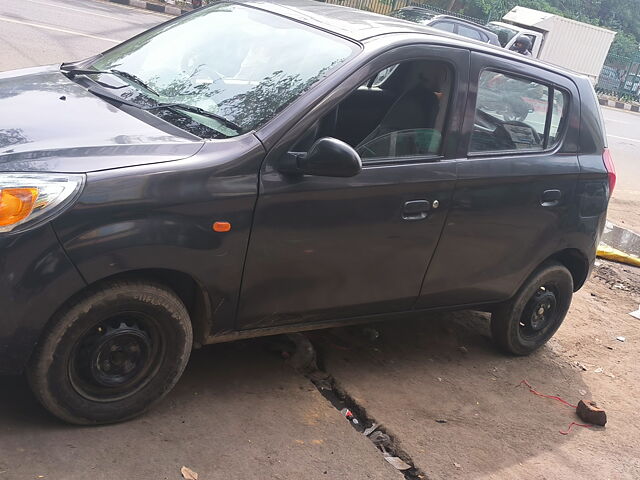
[(514, 114), (469, 32), (446, 26)]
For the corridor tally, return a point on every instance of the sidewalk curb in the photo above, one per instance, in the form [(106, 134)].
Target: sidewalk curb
[(624, 243), (605, 102), (154, 7)]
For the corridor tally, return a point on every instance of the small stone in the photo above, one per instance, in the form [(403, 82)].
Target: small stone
[(582, 392), (457, 465), (598, 370), (463, 349), (441, 420), (621, 339), (591, 413), (398, 463)]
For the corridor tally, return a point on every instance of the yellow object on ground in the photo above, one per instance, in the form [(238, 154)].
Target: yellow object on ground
[(610, 253)]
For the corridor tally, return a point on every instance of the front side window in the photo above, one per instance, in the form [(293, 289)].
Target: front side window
[(505, 34), (239, 63), (402, 118), (413, 124), (512, 114)]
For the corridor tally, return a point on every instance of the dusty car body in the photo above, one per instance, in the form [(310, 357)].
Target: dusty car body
[(381, 184)]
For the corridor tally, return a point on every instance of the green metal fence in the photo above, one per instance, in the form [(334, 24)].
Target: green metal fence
[(620, 77)]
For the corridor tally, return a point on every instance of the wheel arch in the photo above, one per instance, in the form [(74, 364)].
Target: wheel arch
[(186, 287), (577, 264)]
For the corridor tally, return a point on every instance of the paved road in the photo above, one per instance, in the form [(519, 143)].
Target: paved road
[(623, 130), (38, 32)]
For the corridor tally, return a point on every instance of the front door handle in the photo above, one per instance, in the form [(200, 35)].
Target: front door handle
[(416, 210), (550, 198)]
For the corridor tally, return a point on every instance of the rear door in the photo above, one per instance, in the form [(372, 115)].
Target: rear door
[(514, 203), (324, 248)]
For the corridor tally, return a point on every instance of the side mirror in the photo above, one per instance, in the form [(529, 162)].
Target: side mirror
[(327, 157)]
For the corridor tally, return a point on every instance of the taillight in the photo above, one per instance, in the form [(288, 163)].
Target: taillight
[(611, 169)]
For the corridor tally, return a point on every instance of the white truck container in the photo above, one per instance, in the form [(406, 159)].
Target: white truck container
[(567, 43)]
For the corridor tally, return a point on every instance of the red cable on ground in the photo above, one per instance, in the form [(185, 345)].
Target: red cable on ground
[(552, 397), (577, 425)]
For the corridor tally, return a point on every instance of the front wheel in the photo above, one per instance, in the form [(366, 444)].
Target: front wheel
[(112, 354), (534, 314)]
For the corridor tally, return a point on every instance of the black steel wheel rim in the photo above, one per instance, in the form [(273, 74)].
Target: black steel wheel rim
[(540, 313), (116, 357)]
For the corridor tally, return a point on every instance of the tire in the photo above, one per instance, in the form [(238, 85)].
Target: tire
[(527, 321), (112, 354)]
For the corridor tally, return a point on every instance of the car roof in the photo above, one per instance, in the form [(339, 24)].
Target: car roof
[(348, 22), (360, 25)]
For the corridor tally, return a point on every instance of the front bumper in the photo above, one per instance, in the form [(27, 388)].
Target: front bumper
[(36, 278)]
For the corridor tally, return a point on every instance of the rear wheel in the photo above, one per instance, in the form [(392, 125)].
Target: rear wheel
[(534, 314), (112, 354)]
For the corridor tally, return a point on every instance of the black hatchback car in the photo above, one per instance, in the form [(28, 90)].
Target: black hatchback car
[(255, 168), (447, 23)]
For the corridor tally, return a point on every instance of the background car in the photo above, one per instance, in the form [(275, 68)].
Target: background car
[(447, 23)]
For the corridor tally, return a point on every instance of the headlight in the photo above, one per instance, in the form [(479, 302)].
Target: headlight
[(29, 199)]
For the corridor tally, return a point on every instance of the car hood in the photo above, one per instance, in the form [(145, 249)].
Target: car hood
[(49, 123)]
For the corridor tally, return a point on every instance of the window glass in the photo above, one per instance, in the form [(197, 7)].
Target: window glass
[(383, 75), (533, 39), (511, 114), (412, 124), (446, 26), (403, 143), (403, 117), (556, 116), (469, 32), (504, 33), (239, 63), (416, 15)]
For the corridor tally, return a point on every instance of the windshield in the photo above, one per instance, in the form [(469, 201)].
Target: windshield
[(240, 63), (413, 15), (505, 34)]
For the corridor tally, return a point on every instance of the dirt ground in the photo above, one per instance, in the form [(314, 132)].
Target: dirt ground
[(453, 405), (419, 375)]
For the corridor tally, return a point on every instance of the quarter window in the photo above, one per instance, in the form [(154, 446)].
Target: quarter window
[(512, 113)]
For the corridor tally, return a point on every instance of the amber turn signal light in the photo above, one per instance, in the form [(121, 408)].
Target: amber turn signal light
[(16, 204), (221, 226)]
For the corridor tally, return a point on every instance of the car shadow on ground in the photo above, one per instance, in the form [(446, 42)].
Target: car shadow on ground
[(436, 383)]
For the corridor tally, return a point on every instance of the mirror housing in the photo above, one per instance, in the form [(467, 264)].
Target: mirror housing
[(327, 157)]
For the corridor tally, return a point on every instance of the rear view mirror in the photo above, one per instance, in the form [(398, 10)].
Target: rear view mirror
[(327, 157)]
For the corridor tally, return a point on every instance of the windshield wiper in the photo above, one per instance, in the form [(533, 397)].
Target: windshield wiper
[(118, 73), (199, 111), (170, 106), (113, 97), (133, 78)]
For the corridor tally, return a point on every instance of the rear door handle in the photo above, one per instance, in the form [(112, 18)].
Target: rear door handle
[(416, 210), (550, 198)]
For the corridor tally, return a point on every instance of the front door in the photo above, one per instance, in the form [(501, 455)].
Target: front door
[(325, 248)]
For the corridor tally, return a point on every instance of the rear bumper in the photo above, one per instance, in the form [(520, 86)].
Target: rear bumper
[(36, 278)]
